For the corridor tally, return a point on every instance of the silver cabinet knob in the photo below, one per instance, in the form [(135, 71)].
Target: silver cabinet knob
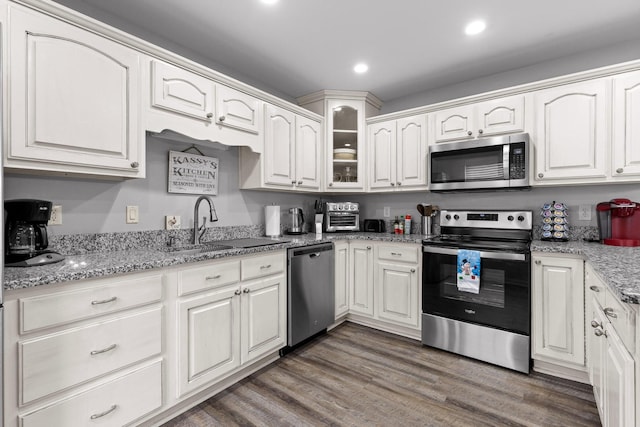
[(399, 184), (610, 313), (469, 133), (600, 332), (480, 131), (246, 290), (413, 270), (619, 170), (209, 115), (595, 324), (538, 262), (134, 165), (237, 292), (540, 175), (368, 248), (331, 184), (293, 182), (393, 184), (300, 182), (594, 288), (222, 118)]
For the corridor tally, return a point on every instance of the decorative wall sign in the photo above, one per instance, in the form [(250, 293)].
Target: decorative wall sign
[(192, 174)]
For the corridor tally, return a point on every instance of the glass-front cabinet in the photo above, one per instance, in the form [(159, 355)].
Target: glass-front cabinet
[(345, 163)]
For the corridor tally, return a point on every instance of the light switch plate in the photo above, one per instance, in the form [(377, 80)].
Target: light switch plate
[(387, 211), (172, 222), (132, 215)]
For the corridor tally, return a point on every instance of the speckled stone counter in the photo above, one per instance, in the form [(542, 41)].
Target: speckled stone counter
[(106, 263), (617, 266)]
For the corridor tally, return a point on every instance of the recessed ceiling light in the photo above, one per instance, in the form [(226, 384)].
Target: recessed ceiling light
[(361, 68), (475, 27), (269, 1)]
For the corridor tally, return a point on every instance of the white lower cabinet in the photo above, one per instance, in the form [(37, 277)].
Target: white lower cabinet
[(610, 362), (558, 311), (361, 278)]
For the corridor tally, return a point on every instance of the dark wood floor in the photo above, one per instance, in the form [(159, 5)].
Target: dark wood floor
[(356, 376)]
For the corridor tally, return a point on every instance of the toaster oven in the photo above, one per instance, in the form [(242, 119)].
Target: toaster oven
[(342, 216)]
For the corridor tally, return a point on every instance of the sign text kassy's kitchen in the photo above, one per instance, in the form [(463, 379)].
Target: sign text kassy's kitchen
[(193, 174)]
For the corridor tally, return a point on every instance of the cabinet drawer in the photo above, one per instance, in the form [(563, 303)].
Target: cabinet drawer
[(263, 265), (398, 253), (622, 318), (55, 362), (107, 296), (115, 403), (211, 276)]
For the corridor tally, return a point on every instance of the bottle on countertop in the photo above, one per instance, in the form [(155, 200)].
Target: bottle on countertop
[(396, 225), (401, 225), (407, 224)]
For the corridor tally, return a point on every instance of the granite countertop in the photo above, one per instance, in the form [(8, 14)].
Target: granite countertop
[(101, 264), (616, 265)]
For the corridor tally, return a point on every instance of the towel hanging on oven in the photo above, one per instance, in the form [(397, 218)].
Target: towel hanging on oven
[(468, 277)]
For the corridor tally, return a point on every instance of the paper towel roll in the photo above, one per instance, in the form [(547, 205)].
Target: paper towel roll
[(272, 220)]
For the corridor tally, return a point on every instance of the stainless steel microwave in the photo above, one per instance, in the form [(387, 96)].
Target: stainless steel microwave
[(501, 162)]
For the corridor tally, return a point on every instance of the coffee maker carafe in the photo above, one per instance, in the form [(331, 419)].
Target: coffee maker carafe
[(619, 222), (296, 224), (26, 238)]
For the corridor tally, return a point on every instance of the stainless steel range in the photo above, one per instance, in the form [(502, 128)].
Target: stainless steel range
[(476, 286)]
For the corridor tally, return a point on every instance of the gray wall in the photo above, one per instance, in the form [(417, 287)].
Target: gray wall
[(95, 206)]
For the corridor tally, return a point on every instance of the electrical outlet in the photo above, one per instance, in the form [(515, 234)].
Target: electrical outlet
[(56, 215), (172, 222), (132, 215), (584, 213), (387, 212)]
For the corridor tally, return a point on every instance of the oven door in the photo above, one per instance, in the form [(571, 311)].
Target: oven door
[(504, 297)]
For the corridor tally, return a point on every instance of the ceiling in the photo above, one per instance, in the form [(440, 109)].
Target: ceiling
[(299, 46)]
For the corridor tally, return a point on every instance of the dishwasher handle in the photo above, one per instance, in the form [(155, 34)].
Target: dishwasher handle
[(315, 250)]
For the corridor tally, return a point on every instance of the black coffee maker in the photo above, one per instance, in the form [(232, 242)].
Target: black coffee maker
[(26, 238)]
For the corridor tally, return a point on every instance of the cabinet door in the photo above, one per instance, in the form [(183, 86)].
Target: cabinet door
[(341, 251), (453, 123), (181, 91), (596, 346), (500, 116), (558, 310), (619, 394), (238, 110), (626, 125), (397, 293), (279, 147), (308, 153), (411, 152), (264, 309), (345, 131), (571, 137), (361, 278), (382, 155), (74, 99), (209, 337)]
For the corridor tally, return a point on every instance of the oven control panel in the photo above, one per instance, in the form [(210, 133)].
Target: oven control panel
[(515, 220)]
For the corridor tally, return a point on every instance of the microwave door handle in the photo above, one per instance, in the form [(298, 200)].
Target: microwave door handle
[(506, 159), (483, 254)]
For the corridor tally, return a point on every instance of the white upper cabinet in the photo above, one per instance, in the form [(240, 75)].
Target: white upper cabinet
[(397, 154), (571, 132), (626, 125), (73, 100), (308, 154), (193, 105), (279, 153), (504, 115)]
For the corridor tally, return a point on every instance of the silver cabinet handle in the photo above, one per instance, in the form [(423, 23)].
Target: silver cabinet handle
[(209, 115), (538, 262), (300, 182), (264, 267), (246, 290), (469, 133), (134, 165), (217, 276), (237, 292), (396, 254), (594, 288), (102, 414), (222, 118), (104, 301), (413, 270), (293, 182), (600, 332), (480, 131), (595, 324), (610, 313), (540, 175), (619, 170), (104, 350)]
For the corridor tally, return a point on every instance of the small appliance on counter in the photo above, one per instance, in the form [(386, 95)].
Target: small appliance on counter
[(555, 222), (619, 222), (374, 226), (296, 221), (26, 238), (343, 216)]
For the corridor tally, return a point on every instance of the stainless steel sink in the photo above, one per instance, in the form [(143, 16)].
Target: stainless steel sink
[(195, 249)]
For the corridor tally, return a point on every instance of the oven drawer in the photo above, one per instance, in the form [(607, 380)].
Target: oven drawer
[(399, 253)]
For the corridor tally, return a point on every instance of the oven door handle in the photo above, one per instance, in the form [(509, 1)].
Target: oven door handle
[(483, 254)]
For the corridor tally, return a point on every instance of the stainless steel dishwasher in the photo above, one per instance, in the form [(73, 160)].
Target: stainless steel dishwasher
[(311, 291)]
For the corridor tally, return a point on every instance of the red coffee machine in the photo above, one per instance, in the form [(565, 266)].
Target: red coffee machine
[(619, 222)]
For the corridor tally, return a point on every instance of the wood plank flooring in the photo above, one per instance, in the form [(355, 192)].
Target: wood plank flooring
[(357, 376)]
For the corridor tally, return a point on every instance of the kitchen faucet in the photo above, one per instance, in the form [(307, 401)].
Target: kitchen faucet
[(199, 231)]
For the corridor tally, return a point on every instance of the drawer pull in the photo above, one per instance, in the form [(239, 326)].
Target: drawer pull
[(264, 267), (217, 276), (396, 254), (104, 301), (104, 350), (609, 312), (594, 288), (102, 414)]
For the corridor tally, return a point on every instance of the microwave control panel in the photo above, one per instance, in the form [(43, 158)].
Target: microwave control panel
[(517, 160)]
